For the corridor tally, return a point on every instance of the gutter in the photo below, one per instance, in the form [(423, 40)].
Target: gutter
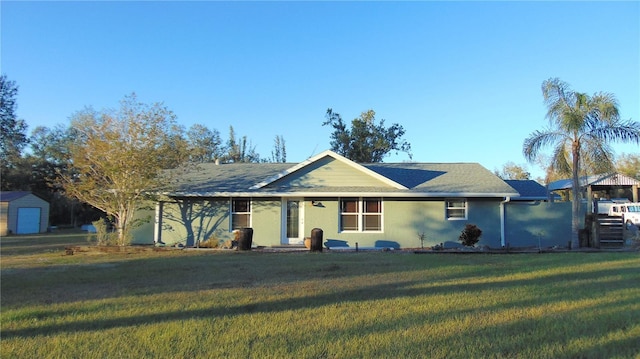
[(503, 240), (310, 194)]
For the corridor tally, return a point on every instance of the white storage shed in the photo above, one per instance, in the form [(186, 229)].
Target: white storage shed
[(23, 213)]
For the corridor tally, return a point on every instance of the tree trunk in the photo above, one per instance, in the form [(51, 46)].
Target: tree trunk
[(575, 190)]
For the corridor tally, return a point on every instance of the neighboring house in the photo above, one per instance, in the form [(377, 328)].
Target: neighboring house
[(23, 213), (371, 205)]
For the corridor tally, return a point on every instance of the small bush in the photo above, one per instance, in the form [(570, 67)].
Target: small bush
[(103, 236), (470, 235), (211, 242)]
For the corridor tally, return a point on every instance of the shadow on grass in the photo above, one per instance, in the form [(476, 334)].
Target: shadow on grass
[(614, 278)]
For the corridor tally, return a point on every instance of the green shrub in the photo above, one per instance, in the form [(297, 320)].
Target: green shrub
[(470, 235), (104, 237)]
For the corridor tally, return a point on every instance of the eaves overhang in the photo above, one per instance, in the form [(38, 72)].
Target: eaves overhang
[(270, 194)]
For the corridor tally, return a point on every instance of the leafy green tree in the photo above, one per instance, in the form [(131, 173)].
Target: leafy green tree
[(13, 137), (512, 171), (366, 141), (581, 128), (629, 165), (205, 145), (117, 158), (48, 158)]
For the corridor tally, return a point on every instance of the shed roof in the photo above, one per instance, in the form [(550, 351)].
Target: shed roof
[(608, 179), (9, 196)]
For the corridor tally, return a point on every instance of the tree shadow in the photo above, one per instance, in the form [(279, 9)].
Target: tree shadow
[(201, 219), (613, 279), (558, 283)]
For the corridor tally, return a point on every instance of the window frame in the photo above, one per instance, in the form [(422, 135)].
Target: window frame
[(232, 213), (361, 214), (449, 208)]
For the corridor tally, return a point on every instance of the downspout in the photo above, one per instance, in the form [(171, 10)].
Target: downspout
[(157, 228), (503, 240)]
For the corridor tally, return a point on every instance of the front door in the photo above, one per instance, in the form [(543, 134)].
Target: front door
[(293, 221)]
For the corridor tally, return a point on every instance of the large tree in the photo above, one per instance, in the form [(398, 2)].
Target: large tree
[(580, 130), (279, 152), (117, 157), (367, 141), (205, 145), (239, 150), (512, 171), (629, 165), (13, 131)]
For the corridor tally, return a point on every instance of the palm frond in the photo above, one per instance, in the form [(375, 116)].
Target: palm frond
[(538, 140)]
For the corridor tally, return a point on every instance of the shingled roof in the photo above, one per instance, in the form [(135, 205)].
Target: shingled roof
[(396, 180), (529, 190), (12, 195)]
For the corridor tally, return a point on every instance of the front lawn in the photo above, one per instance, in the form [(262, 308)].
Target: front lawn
[(213, 304)]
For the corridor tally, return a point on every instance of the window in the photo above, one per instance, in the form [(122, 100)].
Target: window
[(456, 209), (349, 214), (361, 215), (240, 213)]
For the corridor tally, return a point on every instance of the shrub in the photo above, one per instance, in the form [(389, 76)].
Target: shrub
[(470, 235), (211, 242), (104, 237)]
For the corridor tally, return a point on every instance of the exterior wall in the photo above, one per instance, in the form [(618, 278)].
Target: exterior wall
[(143, 234), (188, 221), (403, 220), (266, 221), (4, 218), (529, 224), (328, 172), (9, 213), (196, 221)]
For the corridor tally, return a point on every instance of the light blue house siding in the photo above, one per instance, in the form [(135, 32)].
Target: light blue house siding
[(404, 219), (308, 195), (529, 224)]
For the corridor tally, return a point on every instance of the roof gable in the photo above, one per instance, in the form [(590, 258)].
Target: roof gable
[(328, 169)]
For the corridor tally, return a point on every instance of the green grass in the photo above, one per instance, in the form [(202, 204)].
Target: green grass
[(212, 304)]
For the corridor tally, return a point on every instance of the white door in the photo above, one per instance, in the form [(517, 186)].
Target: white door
[(292, 221), (28, 220)]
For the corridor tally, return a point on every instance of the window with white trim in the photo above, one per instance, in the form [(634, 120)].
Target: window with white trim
[(456, 209), (240, 213), (361, 215)]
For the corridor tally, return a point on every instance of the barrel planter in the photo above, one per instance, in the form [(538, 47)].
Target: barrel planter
[(245, 238), (316, 240)]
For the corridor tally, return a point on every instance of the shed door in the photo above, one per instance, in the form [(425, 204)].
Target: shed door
[(28, 220)]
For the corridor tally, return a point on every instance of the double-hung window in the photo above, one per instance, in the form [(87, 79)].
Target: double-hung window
[(240, 213), (456, 209), (361, 215)]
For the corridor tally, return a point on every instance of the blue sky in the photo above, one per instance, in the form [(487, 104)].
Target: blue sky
[(463, 78)]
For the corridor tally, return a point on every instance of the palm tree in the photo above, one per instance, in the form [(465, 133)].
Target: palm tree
[(581, 128)]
